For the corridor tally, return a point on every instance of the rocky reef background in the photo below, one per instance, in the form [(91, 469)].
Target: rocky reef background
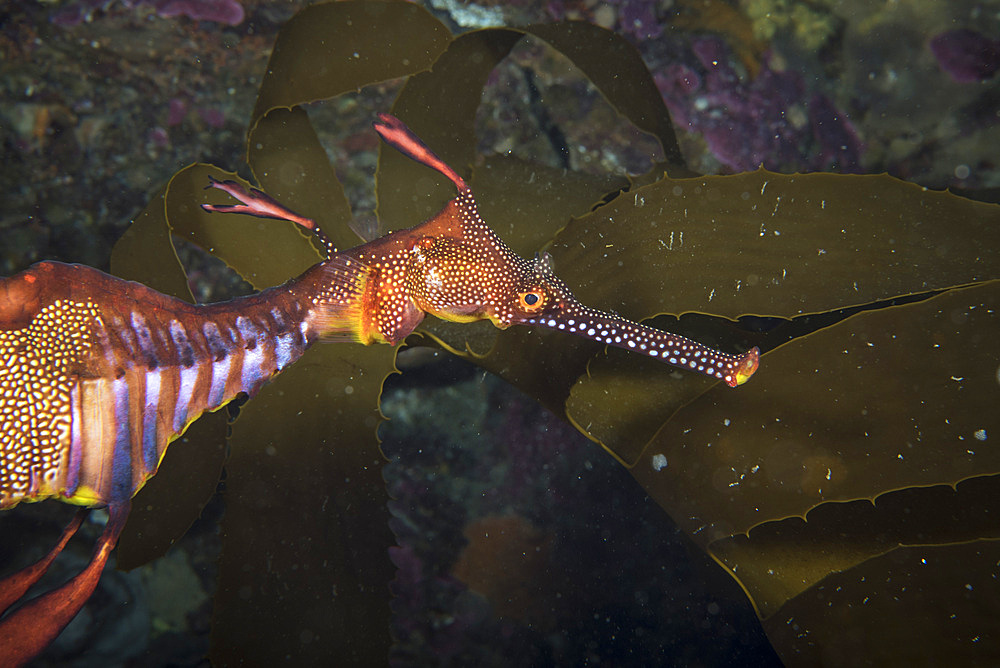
[(104, 99)]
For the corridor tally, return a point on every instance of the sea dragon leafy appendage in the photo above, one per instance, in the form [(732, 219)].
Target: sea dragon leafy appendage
[(98, 375)]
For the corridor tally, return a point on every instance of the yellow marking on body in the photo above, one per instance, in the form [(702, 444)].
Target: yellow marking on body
[(35, 407)]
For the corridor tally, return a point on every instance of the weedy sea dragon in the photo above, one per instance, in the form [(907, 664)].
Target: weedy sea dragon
[(98, 375)]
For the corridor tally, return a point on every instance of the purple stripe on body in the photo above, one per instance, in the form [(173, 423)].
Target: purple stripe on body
[(217, 346), (284, 346), (253, 356), (220, 374), (188, 380), (185, 351), (126, 336), (150, 455), (279, 319), (246, 328), (121, 462), (252, 375), (145, 340)]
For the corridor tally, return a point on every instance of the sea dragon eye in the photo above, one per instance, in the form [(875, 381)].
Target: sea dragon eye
[(532, 300)]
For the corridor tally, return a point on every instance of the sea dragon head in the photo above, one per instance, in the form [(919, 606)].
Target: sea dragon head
[(463, 271)]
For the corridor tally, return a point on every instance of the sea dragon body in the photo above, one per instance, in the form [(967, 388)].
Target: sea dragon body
[(99, 375)]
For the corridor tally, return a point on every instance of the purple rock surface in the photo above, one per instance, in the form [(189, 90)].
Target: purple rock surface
[(769, 120), (221, 11), (966, 55)]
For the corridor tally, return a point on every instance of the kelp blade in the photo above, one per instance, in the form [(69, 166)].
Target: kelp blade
[(901, 398), (939, 605), (332, 48), (304, 570), (757, 243)]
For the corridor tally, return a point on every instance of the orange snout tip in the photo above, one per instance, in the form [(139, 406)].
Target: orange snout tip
[(747, 366)]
